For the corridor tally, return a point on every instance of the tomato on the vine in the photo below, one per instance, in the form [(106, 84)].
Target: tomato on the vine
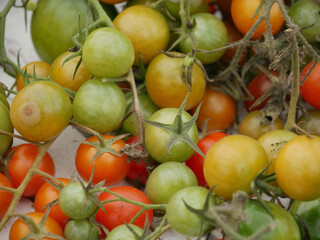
[(5, 125), (195, 6), (310, 122), (81, 230), (5, 196), (123, 232)]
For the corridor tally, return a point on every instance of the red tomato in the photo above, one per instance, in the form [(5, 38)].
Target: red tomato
[(47, 194), (196, 161), (20, 163), (108, 167), (5, 197), (119, 212)]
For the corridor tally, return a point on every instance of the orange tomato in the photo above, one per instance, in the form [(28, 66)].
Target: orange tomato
[(5, 197)]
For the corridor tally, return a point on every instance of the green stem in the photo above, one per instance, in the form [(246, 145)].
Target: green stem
[(103, 17)]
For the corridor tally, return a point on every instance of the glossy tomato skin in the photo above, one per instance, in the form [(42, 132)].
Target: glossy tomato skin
[(107, 52), (298, 168), (195, 163), (20, 229), (5, 125), (242, 12), (166, 87), (147, 39), (108, 167), (123, 232), (20, 163), (47, 194), (310, 122), (3, 97), (310, 88), (5, 197), (177, 212), (41, 111), (40, 68), (99, 105), (81, 230), (157, 139), (258, 217), (217, 108), (119, 212), (63, 72), (168, 178), (210, 33), (232, 163)]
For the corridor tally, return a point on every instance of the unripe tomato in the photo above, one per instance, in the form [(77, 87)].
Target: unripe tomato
[(5, 125)]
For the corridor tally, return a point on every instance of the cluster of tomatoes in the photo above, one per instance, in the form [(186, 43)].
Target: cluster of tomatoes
[(137, 81)]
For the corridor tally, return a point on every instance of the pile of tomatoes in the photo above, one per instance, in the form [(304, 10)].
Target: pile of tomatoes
[(191, 111)]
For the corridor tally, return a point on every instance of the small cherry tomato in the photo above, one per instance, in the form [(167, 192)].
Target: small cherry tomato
[(310, 122), (5, 197), (123, 232), (81, 230), (5, 125)]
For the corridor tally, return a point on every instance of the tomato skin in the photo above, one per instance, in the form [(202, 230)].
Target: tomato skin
[(195, 163), (20, 229), (258, 217), (166, 179), (218, 107), (107, 52), (99, 105), (242, 12), (108, 167), (41, 69), (177, 212), (5, 125), (123, 232), (62, 73), (121, 212), (195, 7), (81, 230), (147, 39), (40, 111), (310, 122), (166, 87), (20, 163), (5, 197), (157, 139), (3, 98), (310, 88), (210, 33), (232, 163), (298, 168), (46, 194)]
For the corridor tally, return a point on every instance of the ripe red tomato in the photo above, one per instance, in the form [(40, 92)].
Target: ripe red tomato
[(108, 167), (196, 161), (20, 163), (5, 197), (119, 212)]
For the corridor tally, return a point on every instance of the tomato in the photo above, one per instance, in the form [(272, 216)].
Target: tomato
[(210, 33), (196, 6), (168, 178), (305, 14), (218, 108), (123, 232), (21, 162), (272, 142), (5, 125), (177, 212), (99, 105), (5, 197), (258, 217), (147, 108), (40, 68), (107, 52), (310, 88), (298, 168), (166, 87), (74, 202), (47, 194), (20, 229), (3, 98), (63, 73), (310, 122), (147, 39), (119, 212), (196, 161), (232, 163), (258, 86), (81, 230), (242, 12), (40, 111), (107, 166), (157, 139), (307, 212)]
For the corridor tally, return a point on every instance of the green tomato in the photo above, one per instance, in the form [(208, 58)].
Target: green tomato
[(3, 97), (123, 232), (108, 53), (209, 33), (168, 178), (177, 212), (99, 105), (5, 125), (310, 122), (81, 230), (196, 6)]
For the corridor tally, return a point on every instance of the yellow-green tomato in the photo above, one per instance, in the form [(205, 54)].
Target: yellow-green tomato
[(232, 163), (40, 111), (5, 125), (123, 232)]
